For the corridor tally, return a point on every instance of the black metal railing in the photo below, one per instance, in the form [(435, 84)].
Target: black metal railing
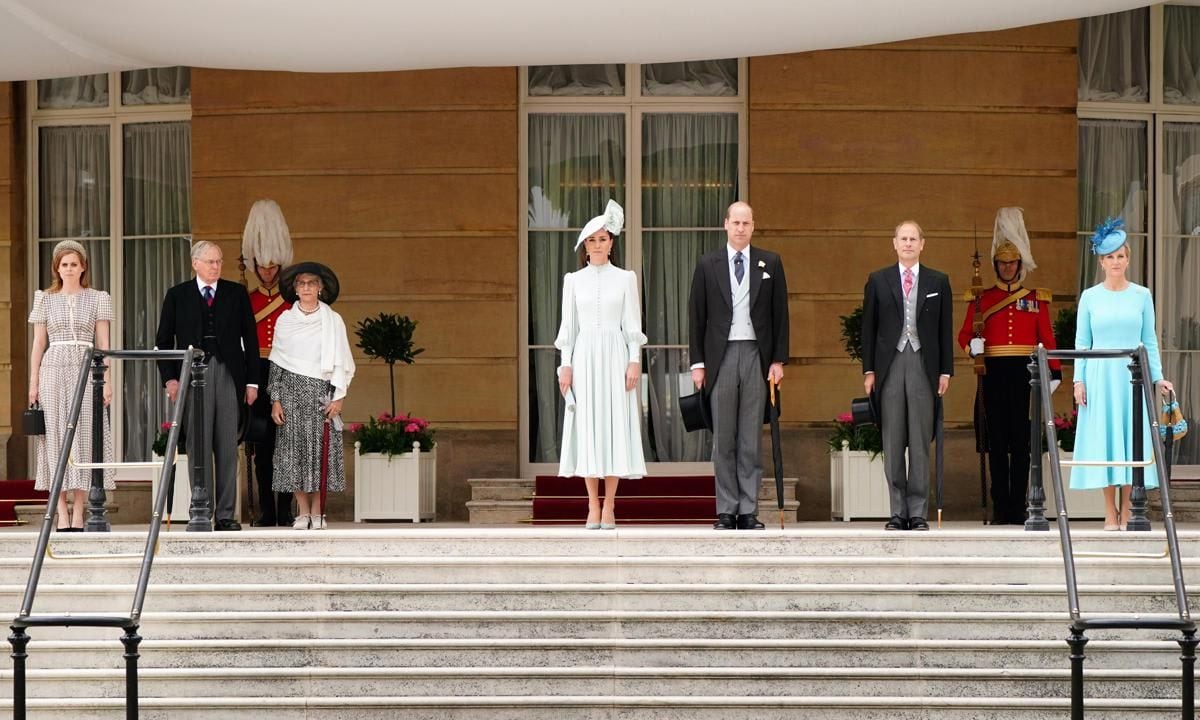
[(97, 514), (1042, 428)]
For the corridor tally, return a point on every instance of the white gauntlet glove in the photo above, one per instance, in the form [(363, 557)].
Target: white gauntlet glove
[(976, 347)]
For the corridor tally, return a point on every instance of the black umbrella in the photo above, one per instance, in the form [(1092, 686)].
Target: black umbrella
[(940, 461), (777, 448)]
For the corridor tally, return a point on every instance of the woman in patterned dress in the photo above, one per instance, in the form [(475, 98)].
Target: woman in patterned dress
[(1113, 314), (68, 320), (601, 343), (311, 369)]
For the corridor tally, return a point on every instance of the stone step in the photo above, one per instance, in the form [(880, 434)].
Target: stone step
[(585, 680), (594, 596), (765, 569), (632, 652), (601, 707), (597, 624)]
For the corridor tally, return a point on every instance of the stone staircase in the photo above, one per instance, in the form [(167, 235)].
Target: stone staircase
[(566, 623)]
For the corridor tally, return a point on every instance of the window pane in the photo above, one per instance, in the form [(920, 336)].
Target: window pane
[(689, 168), (1114, 59), (577, 80), (157, 86), (1177, 302), (73, 181), (1181, 54), (157, 208), (576, 164), (1112, 183), (84, 91), (700, 78)]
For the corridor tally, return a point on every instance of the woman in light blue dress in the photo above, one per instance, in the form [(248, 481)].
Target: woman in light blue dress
[(601, 341), (1114, 314)]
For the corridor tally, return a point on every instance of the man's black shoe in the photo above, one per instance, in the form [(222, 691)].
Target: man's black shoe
[(260, 522), (725, 521), (918, 523), (227, 525), (896, 523), (749, 522)]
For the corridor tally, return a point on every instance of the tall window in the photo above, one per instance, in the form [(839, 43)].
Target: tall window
[(1139, 158), (665, 141), (111, 155)]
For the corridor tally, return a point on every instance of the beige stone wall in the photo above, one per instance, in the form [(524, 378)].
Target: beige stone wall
[(844, 144), (13, 346), (406, 185)]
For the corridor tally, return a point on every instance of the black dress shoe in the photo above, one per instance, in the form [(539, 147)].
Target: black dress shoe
[(227, 525), (918, 523), (749, 522), (896, 523), (263, 522), (725, 521)]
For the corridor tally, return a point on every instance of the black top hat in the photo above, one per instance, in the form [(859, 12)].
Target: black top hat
[(865, 410), (695, 411), (329, 281)]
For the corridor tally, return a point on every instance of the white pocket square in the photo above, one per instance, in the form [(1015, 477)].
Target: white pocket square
[(931, 295), (766, 276)]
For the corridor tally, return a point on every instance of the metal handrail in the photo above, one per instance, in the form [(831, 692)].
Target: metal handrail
[(19, 639), (1042, 427)]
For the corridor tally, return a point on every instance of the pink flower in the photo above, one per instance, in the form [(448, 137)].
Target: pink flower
[(355, 427), (845, 418), (165, 427), (385, 417), (412, 427)]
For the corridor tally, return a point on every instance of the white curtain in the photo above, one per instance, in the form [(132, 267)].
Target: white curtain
[(576, 164), (73, 196), (157, 209), (707, 78), (1178, 302), (1114, 59), (1181, 54), (83, 91), (157, 86), (1112, 183), (689, 178), (577, 80)]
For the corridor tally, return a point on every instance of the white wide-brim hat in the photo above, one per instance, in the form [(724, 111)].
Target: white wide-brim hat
[(613, 220)]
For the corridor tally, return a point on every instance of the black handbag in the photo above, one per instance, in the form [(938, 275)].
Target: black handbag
[(33, 420)]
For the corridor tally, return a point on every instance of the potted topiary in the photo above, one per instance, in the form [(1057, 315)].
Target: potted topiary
[(857, 485), (395, 456)]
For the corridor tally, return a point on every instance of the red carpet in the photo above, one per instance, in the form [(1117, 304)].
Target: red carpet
[(17, 492), (686, 499)]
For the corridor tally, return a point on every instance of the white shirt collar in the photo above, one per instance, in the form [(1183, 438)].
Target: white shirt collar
[(916, 269), (730, 252), (200, 285)]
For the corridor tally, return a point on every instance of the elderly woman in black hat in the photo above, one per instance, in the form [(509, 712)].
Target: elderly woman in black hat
[(311, 369)]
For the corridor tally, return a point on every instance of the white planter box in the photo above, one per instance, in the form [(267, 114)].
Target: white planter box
[(1081, 504), (400, 487), (857, 485)]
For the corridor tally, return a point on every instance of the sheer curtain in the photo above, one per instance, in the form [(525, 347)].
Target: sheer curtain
[(1181, 54), (73, 196), (157, 86), (709, 78), (83, 91), (1112, 183), (157, 209), (577, 80), (689, 178), (576, 164), (1177, 303), (1114, 57)]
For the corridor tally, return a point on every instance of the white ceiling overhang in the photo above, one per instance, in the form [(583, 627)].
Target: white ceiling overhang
[(55, 38)]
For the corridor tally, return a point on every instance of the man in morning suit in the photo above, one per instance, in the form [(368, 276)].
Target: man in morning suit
[(907, 356), (1016, 320), (738, 327), (214, 315)]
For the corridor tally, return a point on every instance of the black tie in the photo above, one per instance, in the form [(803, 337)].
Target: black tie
[(739, 271)]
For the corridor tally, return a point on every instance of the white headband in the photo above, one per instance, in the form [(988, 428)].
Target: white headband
[(613, 220)]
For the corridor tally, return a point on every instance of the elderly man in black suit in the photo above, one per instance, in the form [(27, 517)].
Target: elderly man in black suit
[(738, 325), (907, 356), (214, 315)]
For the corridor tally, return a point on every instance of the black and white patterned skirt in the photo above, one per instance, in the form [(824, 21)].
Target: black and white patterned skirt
[(298, 440)]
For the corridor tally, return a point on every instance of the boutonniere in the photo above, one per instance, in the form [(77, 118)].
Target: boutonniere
[(761, 263)]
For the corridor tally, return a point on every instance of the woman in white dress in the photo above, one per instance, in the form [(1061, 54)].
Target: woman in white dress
[(601, 343), (68, 320)]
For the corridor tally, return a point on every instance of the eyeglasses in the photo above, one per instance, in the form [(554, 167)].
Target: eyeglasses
[(218, 261), (308, 283)]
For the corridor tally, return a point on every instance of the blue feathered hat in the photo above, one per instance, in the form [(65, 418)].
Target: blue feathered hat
[(1108, 236)]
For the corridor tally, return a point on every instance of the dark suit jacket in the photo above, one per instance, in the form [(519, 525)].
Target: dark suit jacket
[(710, 310), (883, 321), (181, 325)]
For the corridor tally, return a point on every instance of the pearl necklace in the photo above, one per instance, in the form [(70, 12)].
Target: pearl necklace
[(308, 312)]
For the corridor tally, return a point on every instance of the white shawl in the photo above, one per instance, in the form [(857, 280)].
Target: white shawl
[(315, 346)]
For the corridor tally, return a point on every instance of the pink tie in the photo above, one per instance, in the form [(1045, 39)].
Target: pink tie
[(908, 282)]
